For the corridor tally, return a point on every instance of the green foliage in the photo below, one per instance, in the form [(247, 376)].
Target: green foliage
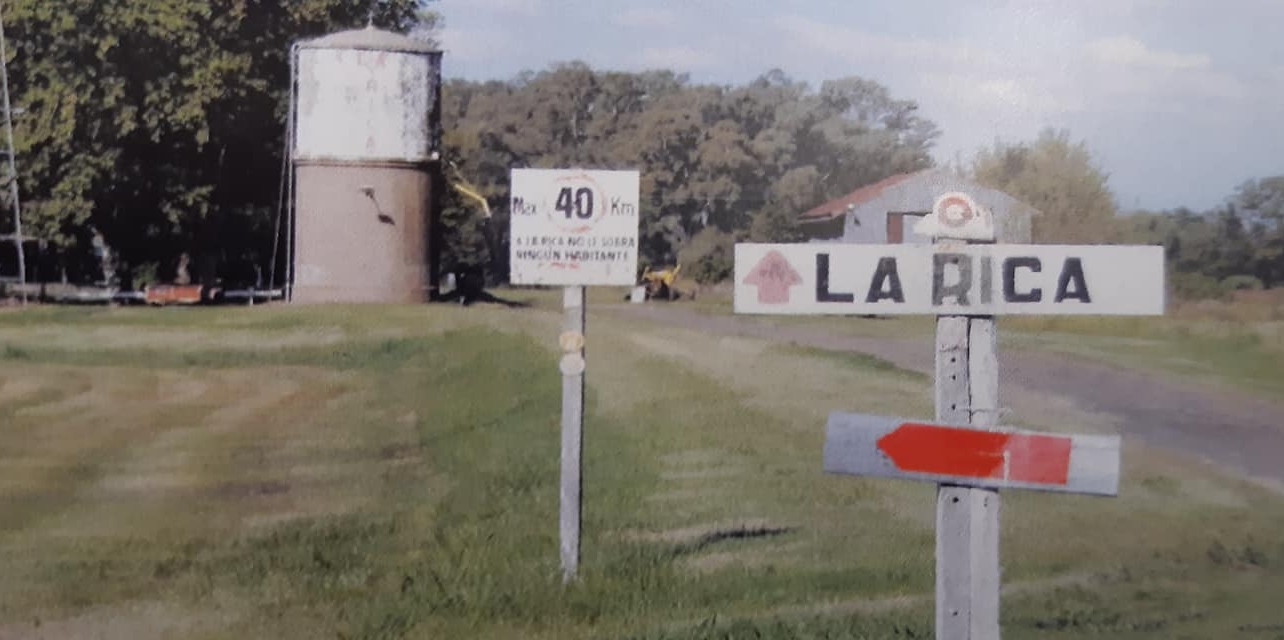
[(1060, 180), (1241, 283), (161, 124), (1238, 245), (161, 128), (145, 274), (406, 486), (1260, 204), (900, 626), (372, 354), (731, 159), (709, 257), (1195, 286)]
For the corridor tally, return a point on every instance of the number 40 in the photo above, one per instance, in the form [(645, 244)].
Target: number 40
[(581, 203)]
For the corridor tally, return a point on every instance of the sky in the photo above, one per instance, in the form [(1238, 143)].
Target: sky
[(1179, 101)]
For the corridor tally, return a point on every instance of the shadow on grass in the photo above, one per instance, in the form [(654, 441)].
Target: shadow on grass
[(722, 535), (469, 298)]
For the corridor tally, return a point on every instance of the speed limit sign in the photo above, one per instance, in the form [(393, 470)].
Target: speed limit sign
[(572, 227)]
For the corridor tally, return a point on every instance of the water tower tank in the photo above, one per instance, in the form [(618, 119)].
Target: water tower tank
[(365, 136)]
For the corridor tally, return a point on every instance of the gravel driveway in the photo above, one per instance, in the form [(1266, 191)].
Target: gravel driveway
[(1233, 430)]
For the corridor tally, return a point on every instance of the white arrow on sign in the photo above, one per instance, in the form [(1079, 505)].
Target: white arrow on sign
[(868, 445)]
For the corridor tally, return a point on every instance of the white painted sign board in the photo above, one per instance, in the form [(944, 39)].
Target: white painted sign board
[(887, 447), (574, 228), (900, 279)]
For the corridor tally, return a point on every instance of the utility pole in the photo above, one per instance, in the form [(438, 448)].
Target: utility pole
[(12, 175)]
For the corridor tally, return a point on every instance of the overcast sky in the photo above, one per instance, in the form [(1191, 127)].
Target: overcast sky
[(1179, 100)]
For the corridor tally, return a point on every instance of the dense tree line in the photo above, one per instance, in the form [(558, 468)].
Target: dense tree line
[(156, 129), (1238, 245), (718, 163), (158, 126)]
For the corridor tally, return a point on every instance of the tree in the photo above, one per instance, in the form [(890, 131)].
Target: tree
[(1261, 204), (1238, 244), (1060, 180), (161, 124), (718, 163), (795, 191), (867, 135)]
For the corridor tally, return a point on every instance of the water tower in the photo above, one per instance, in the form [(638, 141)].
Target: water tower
[(366, 160)]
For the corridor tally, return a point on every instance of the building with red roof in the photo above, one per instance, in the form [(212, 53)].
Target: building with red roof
[(885, 212)]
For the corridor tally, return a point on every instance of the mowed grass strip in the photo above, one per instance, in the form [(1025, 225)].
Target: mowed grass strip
[(392, 472)]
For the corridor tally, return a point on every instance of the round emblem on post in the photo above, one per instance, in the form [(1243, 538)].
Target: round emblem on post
[(954, 209), (572, 364), (571, 341)]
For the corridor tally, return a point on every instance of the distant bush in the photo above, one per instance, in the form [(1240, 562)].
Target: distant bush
[(709, 257), (1242, 283), (143, 275), (1195, 286)]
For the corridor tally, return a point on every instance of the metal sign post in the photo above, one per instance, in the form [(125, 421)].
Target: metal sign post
[(572, 367), (967, 455), (573, 228)]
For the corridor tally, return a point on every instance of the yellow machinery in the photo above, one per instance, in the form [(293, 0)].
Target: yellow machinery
[(663, 284), (470, 280), (464, 188)]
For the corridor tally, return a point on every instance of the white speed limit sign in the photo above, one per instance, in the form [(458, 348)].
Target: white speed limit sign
[(573, 227)]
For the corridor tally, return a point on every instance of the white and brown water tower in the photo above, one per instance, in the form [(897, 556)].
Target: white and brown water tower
[(365, 149)]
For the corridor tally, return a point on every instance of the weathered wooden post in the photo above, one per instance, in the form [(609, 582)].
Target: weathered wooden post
[(967, 518), (574, 229), (964, 452)]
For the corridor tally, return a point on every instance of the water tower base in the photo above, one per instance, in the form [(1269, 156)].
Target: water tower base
[(361, 232)]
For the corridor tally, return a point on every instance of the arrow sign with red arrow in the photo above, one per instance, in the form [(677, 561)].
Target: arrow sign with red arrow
[(867, 445), (773, 275)]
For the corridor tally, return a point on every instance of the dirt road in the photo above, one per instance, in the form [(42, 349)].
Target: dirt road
[(1236, 431)]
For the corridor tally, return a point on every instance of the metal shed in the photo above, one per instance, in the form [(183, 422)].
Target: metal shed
[(885, 212)]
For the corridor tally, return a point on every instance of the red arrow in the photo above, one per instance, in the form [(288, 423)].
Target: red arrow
[(926, 448), (773, 275)]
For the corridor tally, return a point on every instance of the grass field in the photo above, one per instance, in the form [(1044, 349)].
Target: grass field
[(383, 472)]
